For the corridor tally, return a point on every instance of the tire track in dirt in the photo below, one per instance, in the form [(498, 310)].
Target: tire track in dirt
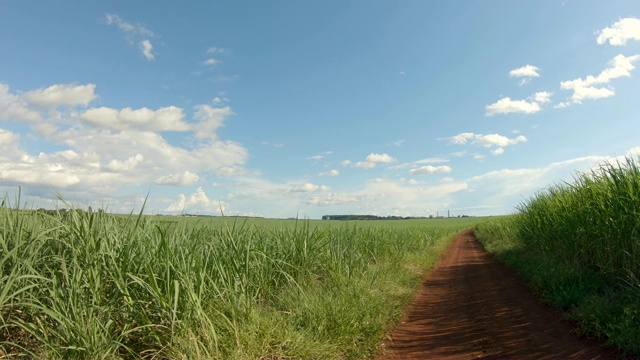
[(471, 306)]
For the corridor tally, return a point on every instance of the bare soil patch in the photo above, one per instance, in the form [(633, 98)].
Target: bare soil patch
[(471, 306)]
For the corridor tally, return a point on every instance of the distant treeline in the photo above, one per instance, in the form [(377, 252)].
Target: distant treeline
[(375, 217)]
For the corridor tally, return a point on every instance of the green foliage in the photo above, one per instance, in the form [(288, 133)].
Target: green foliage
[(87, 285), (579, 246)]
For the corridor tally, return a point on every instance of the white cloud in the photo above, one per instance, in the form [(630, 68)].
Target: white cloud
[(123, 149), (15, 107), (62, 95), (420, 162), (590, 87), (133, 32), (620, 32), (393, 197), (542, 97), (332, 172), (530, 106), (133, 157), (359, 164), (488, 141), (371, 161), (147, 49), (164, 119), (219, 100), (210, 119), (9, 147), (526, 73), (8, 138), (185, 178), (212, 62), (130, 30), (332, 199), (197, 202), (509, 187), (429, 169), (230, 171), (380, 158), (216, 50), (309, 187), (320, 156), (125, 165)]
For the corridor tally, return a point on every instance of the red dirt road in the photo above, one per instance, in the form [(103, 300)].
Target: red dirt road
[(471, 307)]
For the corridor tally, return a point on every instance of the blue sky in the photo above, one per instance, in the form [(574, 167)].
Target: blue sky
[(311, 108)]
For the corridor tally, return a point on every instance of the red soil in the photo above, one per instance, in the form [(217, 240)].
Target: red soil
[(471, 306)]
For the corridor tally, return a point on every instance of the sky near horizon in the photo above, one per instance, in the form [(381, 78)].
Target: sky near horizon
[(308, 108)]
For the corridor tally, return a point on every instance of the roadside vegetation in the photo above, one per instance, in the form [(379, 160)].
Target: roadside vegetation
[(578, 244), (90, 285)]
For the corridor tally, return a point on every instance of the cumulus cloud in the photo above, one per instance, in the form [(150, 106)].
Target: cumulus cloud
[(620, 32), (210, 118), (507, 105), (197, 202), (62, 95), (125, 165), (430, 169), (164, 119), (332, 172), (379, 158), (147, 49), (371, 161), (219, 100), (121, 149), (497, 141), (15, 107), (309, 187), (530, 106), (8, 138), (525, 73), (542, 97), (9, 147), (185, 178), (488, 140), (591, 87)]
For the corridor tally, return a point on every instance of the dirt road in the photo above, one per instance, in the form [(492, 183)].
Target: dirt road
[(471, 307)]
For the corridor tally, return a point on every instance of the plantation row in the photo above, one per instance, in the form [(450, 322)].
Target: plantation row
[(93, 285), (579, 246)]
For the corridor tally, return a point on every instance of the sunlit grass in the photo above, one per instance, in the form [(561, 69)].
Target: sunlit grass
[(89, 285)]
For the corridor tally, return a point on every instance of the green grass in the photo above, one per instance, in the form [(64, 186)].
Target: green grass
[(578, 245), (90, 285)]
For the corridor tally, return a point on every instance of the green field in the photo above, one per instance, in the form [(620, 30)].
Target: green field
[(93, 285)]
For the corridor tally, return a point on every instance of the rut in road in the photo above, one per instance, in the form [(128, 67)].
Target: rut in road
[(471, 306)]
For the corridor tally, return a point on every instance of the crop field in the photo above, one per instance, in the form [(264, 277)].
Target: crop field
[(82, 284), (578, 244)]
